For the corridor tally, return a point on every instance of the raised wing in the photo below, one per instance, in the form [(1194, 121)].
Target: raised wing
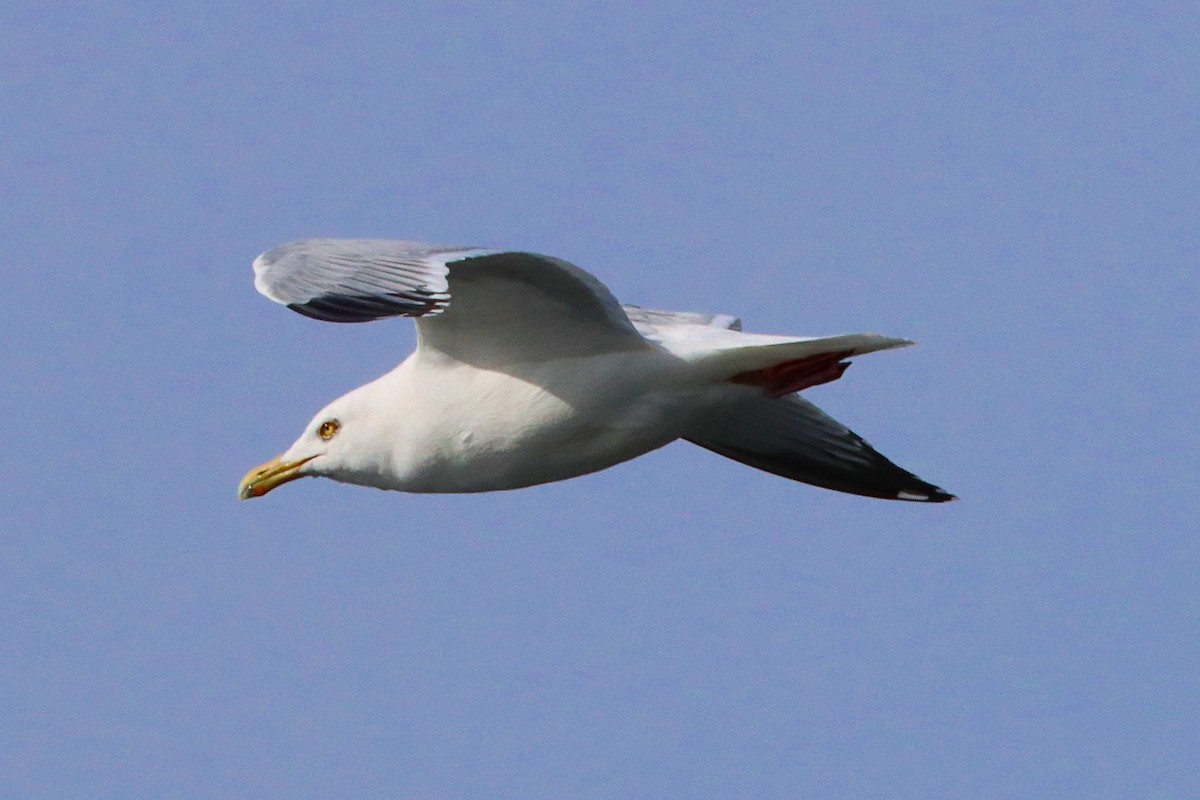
[(358, 280), (485, 307)]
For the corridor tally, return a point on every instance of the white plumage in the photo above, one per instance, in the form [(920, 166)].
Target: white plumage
[(527, 370)]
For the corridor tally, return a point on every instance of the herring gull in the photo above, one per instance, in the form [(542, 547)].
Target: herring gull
[(527, 370)]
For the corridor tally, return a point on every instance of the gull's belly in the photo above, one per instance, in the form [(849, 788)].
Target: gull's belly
[(501, 431)]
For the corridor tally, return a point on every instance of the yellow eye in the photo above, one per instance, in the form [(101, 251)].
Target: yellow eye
[(328, 428)]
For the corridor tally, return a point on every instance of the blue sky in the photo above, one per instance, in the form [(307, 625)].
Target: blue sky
[(1016, 186)]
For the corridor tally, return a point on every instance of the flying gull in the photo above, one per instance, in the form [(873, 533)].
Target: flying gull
[(527, 370)]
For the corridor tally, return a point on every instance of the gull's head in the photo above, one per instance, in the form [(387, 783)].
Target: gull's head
[(345, 441)]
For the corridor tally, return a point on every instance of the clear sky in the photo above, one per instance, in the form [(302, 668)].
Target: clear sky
[(1015, 185)]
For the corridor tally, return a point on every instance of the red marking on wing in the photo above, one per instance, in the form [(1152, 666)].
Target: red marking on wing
[(795, 376)]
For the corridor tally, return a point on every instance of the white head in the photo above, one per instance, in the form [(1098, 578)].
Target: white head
[(349, 441)]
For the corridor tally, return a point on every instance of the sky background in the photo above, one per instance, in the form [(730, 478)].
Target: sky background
[(1015, 185)]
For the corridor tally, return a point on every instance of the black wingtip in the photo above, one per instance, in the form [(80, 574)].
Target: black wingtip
[(926, 494)]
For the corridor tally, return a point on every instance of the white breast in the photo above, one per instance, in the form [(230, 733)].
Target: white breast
[(469, 430)]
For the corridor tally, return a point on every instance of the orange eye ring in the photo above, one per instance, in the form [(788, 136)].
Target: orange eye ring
[(328, 428)]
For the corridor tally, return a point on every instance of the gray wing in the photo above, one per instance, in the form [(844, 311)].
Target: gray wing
[(357, 280), (481, 306), (792, 438)]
